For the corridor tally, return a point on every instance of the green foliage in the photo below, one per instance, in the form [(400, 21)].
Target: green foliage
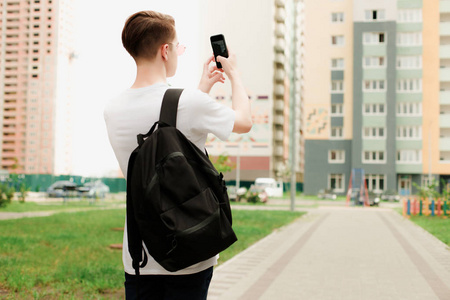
[(6, 194), (431, 190), (223, 163), (23, 190)]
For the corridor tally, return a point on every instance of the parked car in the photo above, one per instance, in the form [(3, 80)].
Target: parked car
[(94, 189), (390, 195), (327, 194), (232, 195), (62, 188), (272, 187)]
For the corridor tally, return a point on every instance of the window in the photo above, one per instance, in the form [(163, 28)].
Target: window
[(374, 85), (409, 15), (336, 182), (374, 62), (337, 86), (374, 38), (409, 62), (337, 40), (336, 156), (375, 15), (409, 39), (409, 156), (337, 110), (409, 109), (374, 109), (375, 182), (337, 64), (337, 17), (337, 132), (372, 157), (409, 132), (373, 133), (409, 85)]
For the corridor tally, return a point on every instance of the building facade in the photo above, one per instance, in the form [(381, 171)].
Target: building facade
[(35, 66), (267, 42), (385, 111)]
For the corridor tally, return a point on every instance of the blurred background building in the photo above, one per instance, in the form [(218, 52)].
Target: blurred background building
[(376, 93), (36, 53), (266, 35)]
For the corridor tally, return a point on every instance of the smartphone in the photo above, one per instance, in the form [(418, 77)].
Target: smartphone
[(219, 47)]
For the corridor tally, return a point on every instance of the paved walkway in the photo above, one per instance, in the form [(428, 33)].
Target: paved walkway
[(339, 253)]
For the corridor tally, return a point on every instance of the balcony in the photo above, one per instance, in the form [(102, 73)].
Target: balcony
[(444, 51), (444, 74), (279, 105), (279, 120), (279, 135), (444, 97), (444, 6), (444, 144), (279, 90), (444, 28), (444, 121)]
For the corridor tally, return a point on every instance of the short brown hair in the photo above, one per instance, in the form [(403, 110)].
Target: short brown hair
[(145, 31)]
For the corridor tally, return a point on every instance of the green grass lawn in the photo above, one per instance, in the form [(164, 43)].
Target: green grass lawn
[(67, 255), (437, 226), (16, 206)]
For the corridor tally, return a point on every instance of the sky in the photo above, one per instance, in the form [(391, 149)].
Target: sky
[(104, 69)]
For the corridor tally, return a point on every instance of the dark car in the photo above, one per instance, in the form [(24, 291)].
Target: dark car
[(62, 189)]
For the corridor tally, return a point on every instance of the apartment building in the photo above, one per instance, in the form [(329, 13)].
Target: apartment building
[(35, 66), (267, 42), (385, 112)]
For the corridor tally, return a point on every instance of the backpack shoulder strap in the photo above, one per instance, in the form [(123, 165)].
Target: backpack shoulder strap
[(169, 107)]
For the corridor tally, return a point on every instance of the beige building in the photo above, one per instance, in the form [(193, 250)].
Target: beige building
[(35, 66)]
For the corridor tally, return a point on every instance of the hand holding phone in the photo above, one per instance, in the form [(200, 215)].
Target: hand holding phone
[(219, 48)]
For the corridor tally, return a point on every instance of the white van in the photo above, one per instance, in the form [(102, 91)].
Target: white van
[(272, 187)]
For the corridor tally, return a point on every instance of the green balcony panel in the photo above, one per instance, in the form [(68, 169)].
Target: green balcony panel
[(409, 27), (406, 74), (374, 74), (374, 121), (409, 121), (402, 168), (374, 97), (409, 4), (413, 50), (409, 145), (373, 145), (374, 50), (409, 97)]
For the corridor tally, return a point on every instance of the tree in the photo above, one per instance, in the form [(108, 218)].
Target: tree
[(223, 163)]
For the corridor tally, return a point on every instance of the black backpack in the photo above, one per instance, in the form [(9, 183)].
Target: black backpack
[(177, 202)]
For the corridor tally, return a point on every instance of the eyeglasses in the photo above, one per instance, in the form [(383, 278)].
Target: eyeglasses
[(180, 48)]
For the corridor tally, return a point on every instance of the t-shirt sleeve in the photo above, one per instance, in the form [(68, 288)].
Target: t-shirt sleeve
[(209, 116)]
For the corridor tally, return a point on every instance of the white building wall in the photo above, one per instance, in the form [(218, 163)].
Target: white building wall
[(360, 7), (248, 30)]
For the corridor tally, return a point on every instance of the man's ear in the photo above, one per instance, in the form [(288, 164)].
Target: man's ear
[(165, 52)]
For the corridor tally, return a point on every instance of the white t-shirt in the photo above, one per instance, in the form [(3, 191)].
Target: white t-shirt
[(135, 111)]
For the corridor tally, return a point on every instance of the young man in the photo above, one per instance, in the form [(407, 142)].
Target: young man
[(151, 39)]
